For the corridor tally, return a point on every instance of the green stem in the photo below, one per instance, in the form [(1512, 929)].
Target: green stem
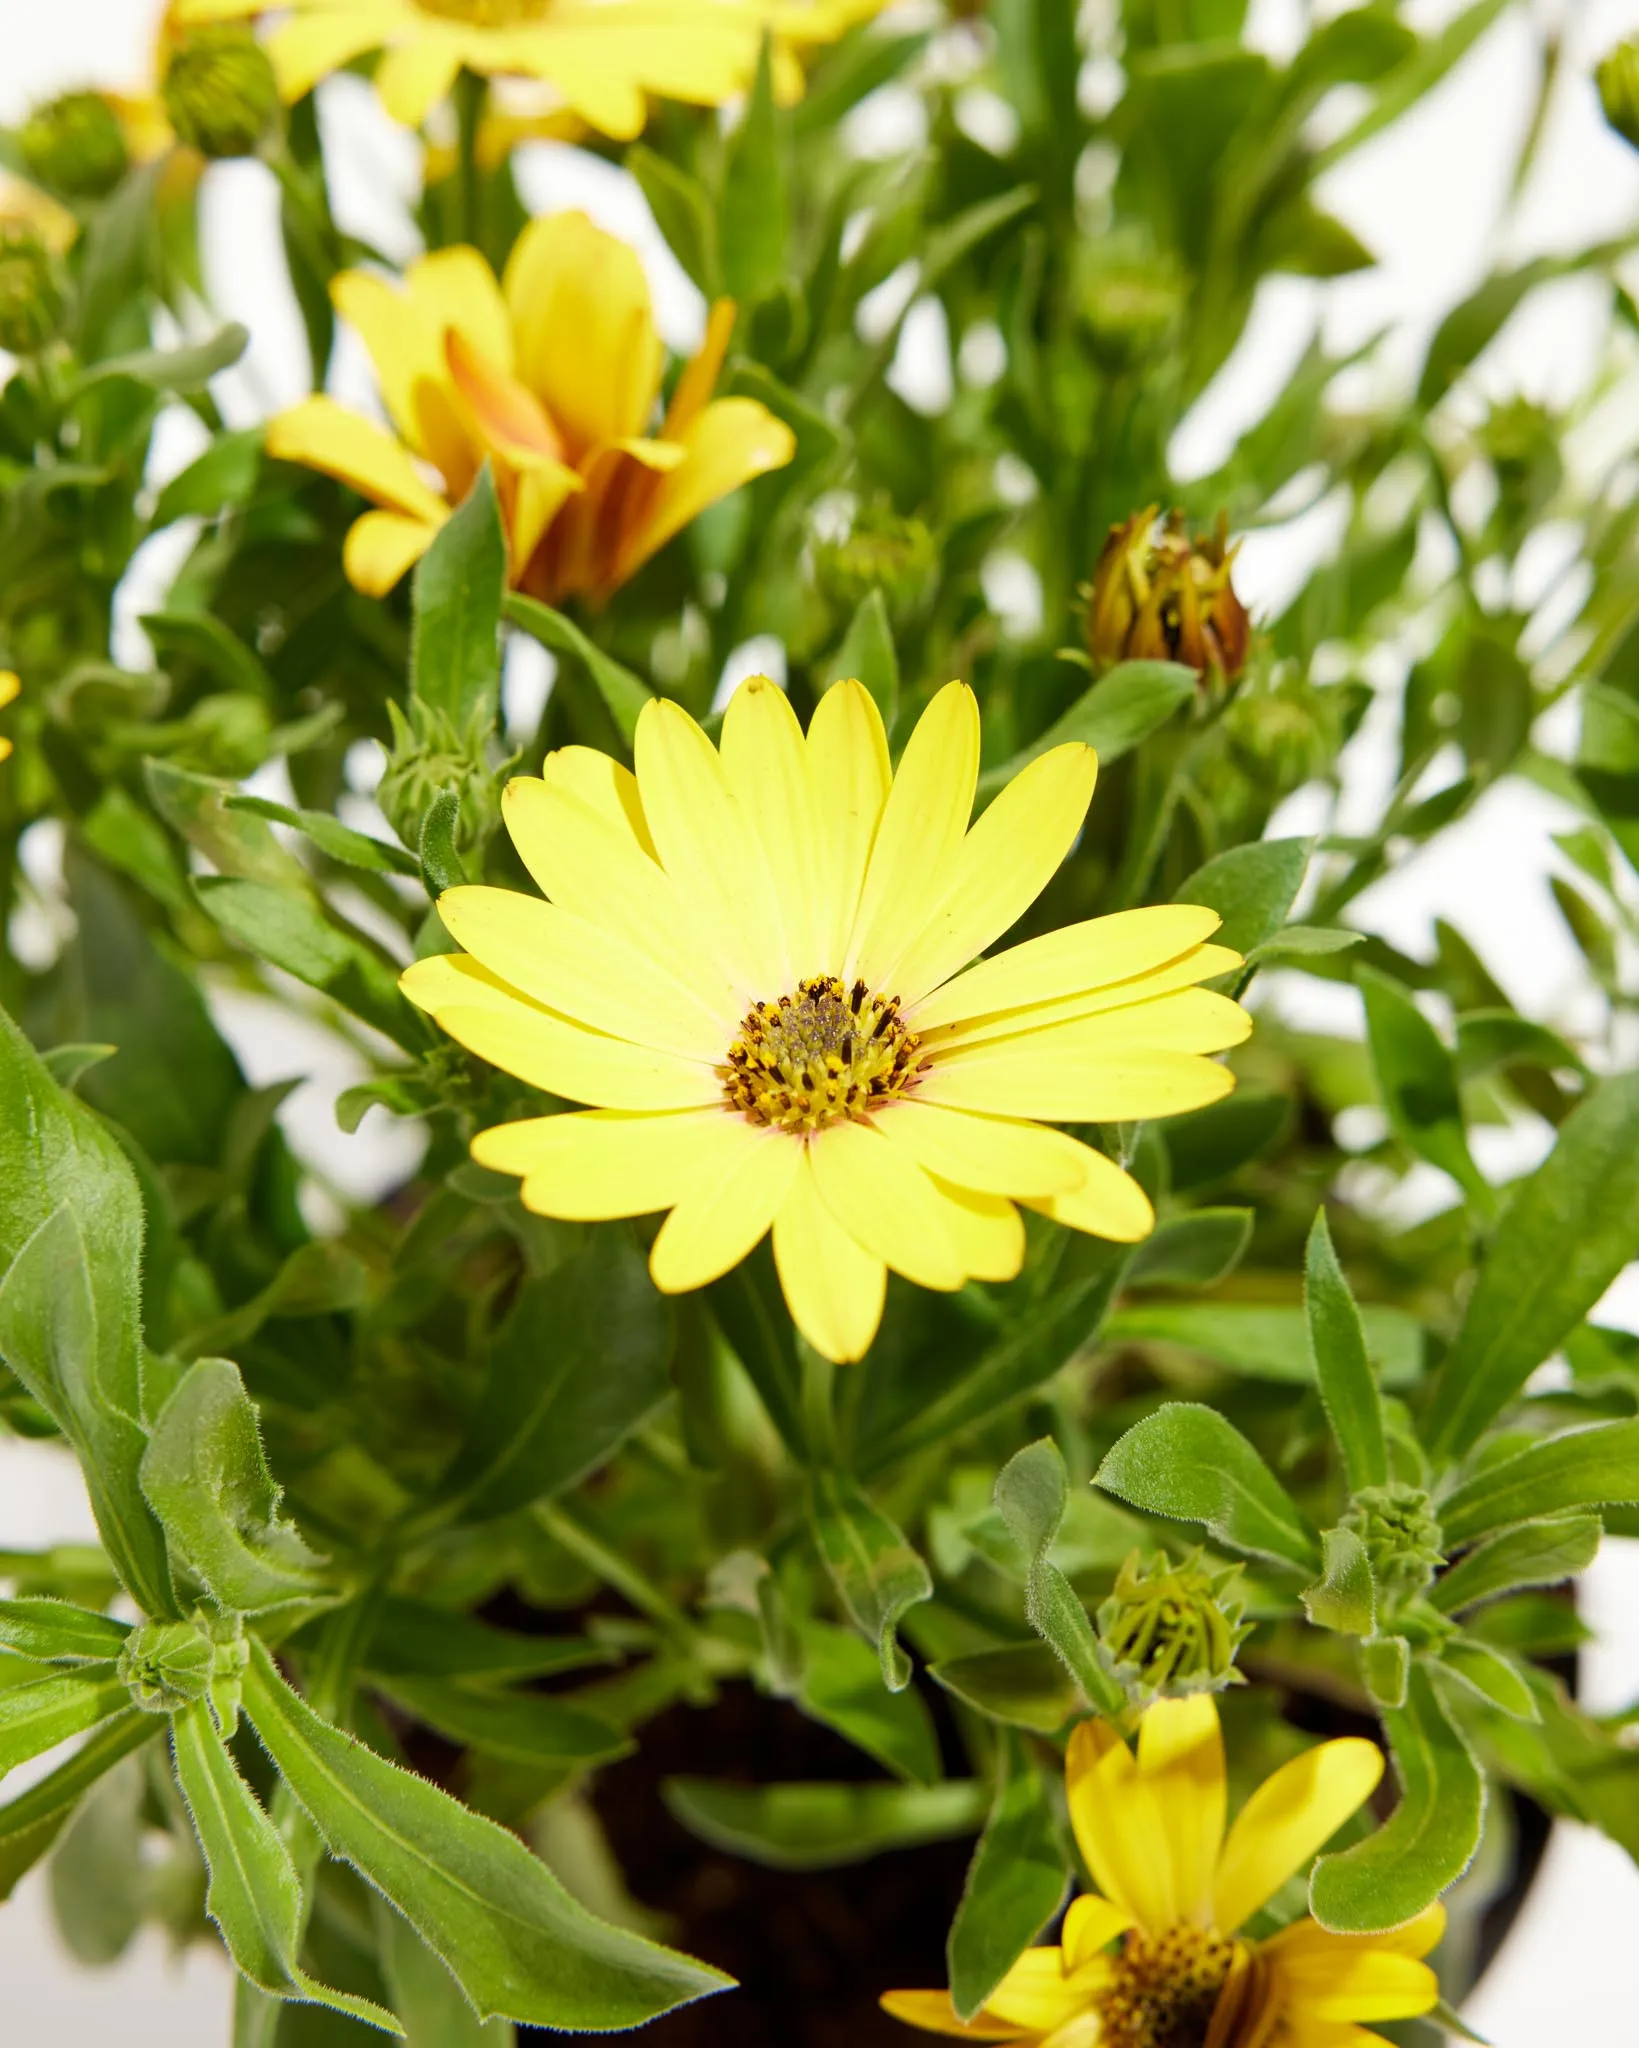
[(564, 1526), (819, 1418), (470, 96)]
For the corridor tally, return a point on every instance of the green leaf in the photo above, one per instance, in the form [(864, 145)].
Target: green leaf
[(57, 1632), (1584, 1468), (255, 1895), (754, 214), (1015, 1884), (439, 855), (683, 214), (32, 1821), (1118, 713), (196, 640), (1337, 1343), (841, 1685), (1269, 1343), (1252, 888), (330, 836), (1418, 1079), (876, 1573), (1032, 1492), (824, 1826), (1187, 1462), (580, 1363), (1303, 942), (1419, 72), (1344, 1597), (867, 656), (518, 1944), (1385, 1664), (224, 476), (229, 835), (459, 589), (623, 693), (1567, 1232), (207, 1478), (417, 1640), (289, 931), (97, 1882), (1536, 1553), (425, 1995), (174, 369), (1024, 1686), (37, 1716), (1426, 1843), (1208, 1145), (1197, 1249), (524, 1728), (1491, 1676)]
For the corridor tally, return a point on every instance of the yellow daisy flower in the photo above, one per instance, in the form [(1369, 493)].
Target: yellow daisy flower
[(553, 376), (9, 686), (1176, 1891), (602, 57), (754, 964)]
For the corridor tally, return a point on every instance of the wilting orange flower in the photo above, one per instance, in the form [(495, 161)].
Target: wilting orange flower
[(553, 376)]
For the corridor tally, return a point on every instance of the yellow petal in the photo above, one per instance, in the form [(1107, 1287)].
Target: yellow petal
[(591, 1165), (848, 761), (1106, 1203), (720, 1221), (711, 851), (1415, 1938), (997, 1155), (488, 1018), (1200, 963), (1360, 1982), (608, 785), (999, 870), (1289, 1817), (886, 1203), (309, 47), (323, 435), (585, 334), (454, 291), (591, 861), (10, 685), (987, 1230), (1036, 1994), (922, 825), (1119, 1087), (933, 2012), (732, 441), (1181, 1761), (382, 547), (579, 969), (766, 763), (1070, 961), (505, 413), (1116, 1825), (1091, 1925), (699, 379), (833, 1287), (415, 75), (542, 493)]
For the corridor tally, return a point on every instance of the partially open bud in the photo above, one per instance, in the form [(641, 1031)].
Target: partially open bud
[(75, 145), (1157, 595), (1618, 82), (1398, 1526), (1171, 1629), (220, 92), (31, 306)]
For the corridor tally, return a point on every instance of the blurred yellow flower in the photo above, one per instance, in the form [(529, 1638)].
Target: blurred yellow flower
[(1175, 1891), (9, 686), (25, 209), (553, 376), (751, 964), (603, 57)]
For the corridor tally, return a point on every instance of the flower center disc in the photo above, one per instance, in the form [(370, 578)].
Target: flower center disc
[(487, 13), (1164, 1992), (821, 1054)]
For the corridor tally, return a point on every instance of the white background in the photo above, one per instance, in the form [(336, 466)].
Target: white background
[(1428, 198)]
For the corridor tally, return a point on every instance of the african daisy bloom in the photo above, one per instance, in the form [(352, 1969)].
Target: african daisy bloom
[(9, 687), (602, 58), (552, 376), (1175, 1890), (751, 966)]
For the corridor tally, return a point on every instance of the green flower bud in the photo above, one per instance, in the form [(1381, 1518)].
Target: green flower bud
[(1130, 304), (75, 145), (220, 92), (1170, 1629), (1397, 1524), (31, 306), (167, 1665), (883, 551), (429, 756), (1618, 82)]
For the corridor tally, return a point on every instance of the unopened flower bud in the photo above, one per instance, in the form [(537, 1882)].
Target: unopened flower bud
[(31, 306), (882, 550), (75, 145), (1402, 1536), (1618, 82), (220, 92), (167, 1665), (428, 757), (1171, 1629), (1130, 304), (1157, 595)]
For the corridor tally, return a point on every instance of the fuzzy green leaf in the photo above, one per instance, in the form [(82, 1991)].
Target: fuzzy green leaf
[(1015, 1884), (1418, 1079), (460, 584), (1032, 1492), (841, 1685), (1187, 1462), (823, 1826), (624, 694), (1337, 1343), (521, 1727), (876, 1573), (31, 1822), (1252, 888), (37, 1716), (1024, 1686), (58, 1632), (1584, 1468), (1344, 1597), (1118, 713), (1265, 1343), (1491, 1676), (1539, 1553)]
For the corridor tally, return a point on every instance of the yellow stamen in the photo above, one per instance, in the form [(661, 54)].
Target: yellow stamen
[(819, 1055), (1163, 1991)]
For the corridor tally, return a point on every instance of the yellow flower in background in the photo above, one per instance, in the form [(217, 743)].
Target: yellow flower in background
[(751, 964), (9, 687), (1174, 1890), (603, 58), (553, 376)]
